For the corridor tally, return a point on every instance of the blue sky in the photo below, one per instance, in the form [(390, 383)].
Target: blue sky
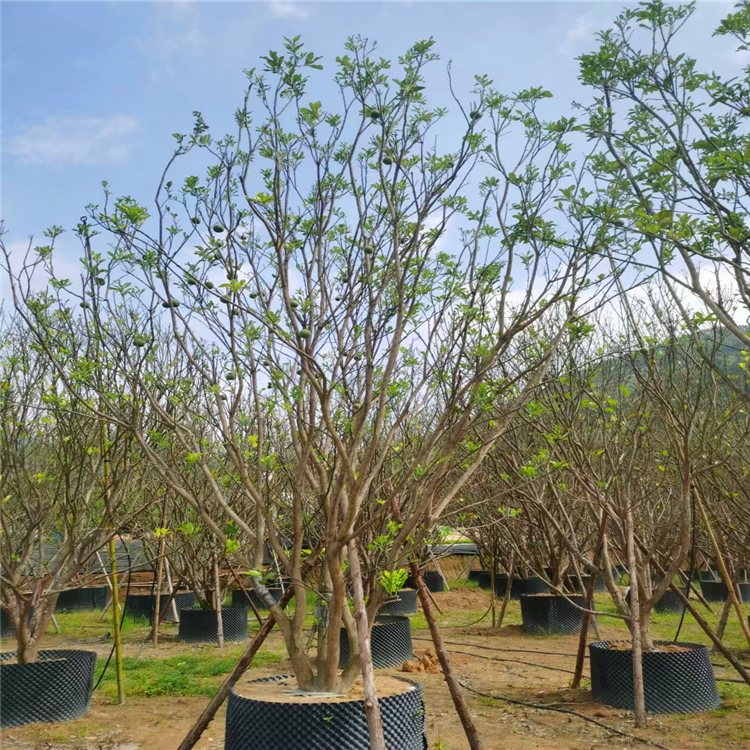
[(93, 90)]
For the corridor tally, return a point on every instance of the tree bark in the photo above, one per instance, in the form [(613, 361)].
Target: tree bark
[(639, 697), (372, 707), (506, 598), (217, 603)]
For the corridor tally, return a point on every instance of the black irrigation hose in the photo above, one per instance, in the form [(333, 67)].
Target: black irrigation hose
[(465, 625), (545, 653), (557, 709), (122, 615)]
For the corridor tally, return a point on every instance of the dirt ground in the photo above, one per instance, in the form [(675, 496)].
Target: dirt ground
[(506, 662)]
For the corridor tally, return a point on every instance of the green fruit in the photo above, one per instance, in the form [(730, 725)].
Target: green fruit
[(294, 304), (218, 228), (85, 305), (231, 376), (100, 282), (195, 220), (357, 407), (192, 281), (253, 295), (209, 285), (387, 161), (165, 305), (175, 303), (305, 333), (266, 363), (226, 300), (369, 249), (139, 341), (223, 397), (337, 299), (374, 114), (475, 114)]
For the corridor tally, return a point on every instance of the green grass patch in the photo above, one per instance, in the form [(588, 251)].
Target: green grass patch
[(193, 674)]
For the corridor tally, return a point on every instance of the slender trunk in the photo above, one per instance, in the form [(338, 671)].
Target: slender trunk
[(372, 707), (506, 598), (583, 636), (159, 575), (639, 698), (217, 603), (723, 620), (722, 567)]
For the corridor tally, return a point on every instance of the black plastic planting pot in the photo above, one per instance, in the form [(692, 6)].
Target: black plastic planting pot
[(79, 600), (390, 642), (142, 605), (6, 626), (264, 725), (405, 604), (717, 591), (675, 682), (56, 687), (482, 577), (669, 602), (551, 615), (433, 580), (572, 583), (520, 586), (200, 625), (239, 598)]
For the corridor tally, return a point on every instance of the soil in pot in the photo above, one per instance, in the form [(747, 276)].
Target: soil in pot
[(81, 600), (405, 603), (262, 715), (56, 687), (239, 598), (200, 625), (390, 642), (678, 677), (550, 614)]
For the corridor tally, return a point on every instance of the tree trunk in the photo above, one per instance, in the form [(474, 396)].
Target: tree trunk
[(635, 626), (217, 603), (372, 707), (506, 598)]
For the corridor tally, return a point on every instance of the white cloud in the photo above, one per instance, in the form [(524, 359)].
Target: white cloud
[(583, 30), (282, 9), (74, 141), (174, 30)]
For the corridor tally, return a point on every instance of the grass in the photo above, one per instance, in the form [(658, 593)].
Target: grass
[(193, 674)]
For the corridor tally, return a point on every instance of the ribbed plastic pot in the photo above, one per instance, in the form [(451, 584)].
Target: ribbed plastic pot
[(405, 604), (675, 682), (142, 605), (390, 642), (551, 615), (57, 687), (200, 626), (264, 725), (520, 586), (240, 600), (669, 602), (572, 583), (716, 591), (433, 580), (6, 627), (710, 575), (482, 577), (80, 600)]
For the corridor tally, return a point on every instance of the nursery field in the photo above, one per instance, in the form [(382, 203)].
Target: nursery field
[(167, 688)]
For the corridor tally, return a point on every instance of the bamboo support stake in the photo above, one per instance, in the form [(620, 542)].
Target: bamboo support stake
[(722, 566)]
